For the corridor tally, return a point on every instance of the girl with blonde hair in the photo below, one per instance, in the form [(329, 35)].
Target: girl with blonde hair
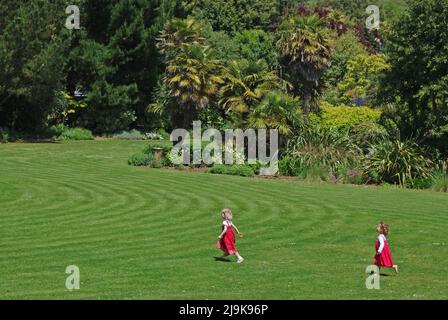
[(226, 240)]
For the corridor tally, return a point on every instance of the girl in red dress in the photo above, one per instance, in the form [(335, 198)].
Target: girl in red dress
[(226, 240), (383, 257)]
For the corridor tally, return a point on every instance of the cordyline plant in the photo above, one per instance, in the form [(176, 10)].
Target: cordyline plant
[(398, 162)]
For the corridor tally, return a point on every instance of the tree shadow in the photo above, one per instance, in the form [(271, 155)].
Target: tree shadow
[(221, 259), (34, 141), (381, 274), (42, 141)]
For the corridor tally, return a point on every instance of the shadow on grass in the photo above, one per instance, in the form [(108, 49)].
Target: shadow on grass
[(382, 274), (41, 141), (221, 259), (33, 141)]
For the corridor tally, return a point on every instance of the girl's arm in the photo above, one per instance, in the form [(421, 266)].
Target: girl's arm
[(223, 232), (381, 240), (237, 231)]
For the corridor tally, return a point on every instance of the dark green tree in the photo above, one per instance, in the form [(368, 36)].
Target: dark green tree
[(345, 48), (234, 15), (390, 10), (115, 61), (33, 46), (256, 44), (417, 83)]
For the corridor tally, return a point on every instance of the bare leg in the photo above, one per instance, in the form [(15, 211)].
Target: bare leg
[(395, 268), (239, 258)]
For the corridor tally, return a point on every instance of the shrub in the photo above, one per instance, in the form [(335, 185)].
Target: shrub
[(4, 136), (129, 135), (179, 167), (234, 170), (350, 175), (440, 177), (58, 129), (140, 159), (422, 183), (323, 148), (353, 176), (256, 167), (172, 159), (166, 149), (367, 134), (137, 135), (344, 116), (164, 146), (398, 162), (362, 123), (153, 136), (162, 133), (156, 163), (288, 166), (74, 134), (296, 167), (166, 153), (315, 173), (440, 182)]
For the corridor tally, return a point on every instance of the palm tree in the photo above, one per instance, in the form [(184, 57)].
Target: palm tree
[(192, 75), (178, 33), (337, 21), (303, 42), (277, 110), (194, 78), (247, 82)]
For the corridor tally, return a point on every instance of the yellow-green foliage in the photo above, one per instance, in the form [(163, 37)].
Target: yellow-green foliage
[(344, 116), (362, 75), (72, 105)]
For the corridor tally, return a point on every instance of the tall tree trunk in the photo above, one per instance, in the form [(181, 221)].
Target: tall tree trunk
[(306, 105), (281, 140), (189, 116)]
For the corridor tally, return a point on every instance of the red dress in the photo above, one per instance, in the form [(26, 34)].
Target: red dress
[(227, 242), (384, 259)]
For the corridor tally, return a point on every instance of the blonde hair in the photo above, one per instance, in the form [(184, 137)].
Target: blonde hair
[(382, 228), (226, 213)]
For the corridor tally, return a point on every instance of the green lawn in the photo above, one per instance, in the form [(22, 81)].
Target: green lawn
[(151, 234)]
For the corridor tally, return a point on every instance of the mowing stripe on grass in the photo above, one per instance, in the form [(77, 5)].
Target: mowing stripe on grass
[(151, 233)]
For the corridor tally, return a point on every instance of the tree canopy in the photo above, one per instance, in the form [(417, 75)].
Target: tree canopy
[(416, 85), (159, 64)]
